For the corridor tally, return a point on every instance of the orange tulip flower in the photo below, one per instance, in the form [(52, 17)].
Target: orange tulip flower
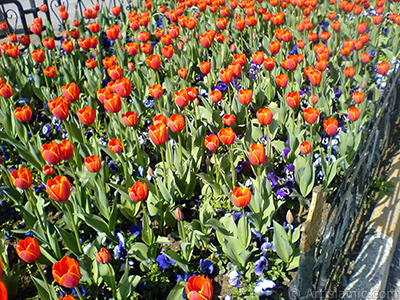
[(132, 48), (113, 32), (160, 119), (353, 113), (158, 134), (28, 250), (383, 68), (349, 72), (21, 178), (6, 90), (59, 188), (112, 103), (94, 27), (138, 192), (311, 115), (199, 288), (168, 51), (226, 75), (205, 67), (227, 136), (264, 116), (257, 154), (211, 142), (93, 163), (109, 62), (183, 73), (269, 63), (123, 87), (331, 126), (115, 145), (358, 97), (51, 153), (66, 149), (156, 91), (154, 61), (240, 58), (245, 96), (281, 80), (50, 72), (49, 43), (216, 96), (130, 118), (23, 114), (86, 115), (67, 272), (305, 147), (3, 290), (176, 123), (71, 92), (241, 197), (103, 257), (229, 120), (181, 98), (274, 47), (91, 63), (293, 99)]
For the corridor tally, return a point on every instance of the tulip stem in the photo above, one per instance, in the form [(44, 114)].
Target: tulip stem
[(122, 158), (74, 228), (311, 142), (163, 162), (217, 168), (31, 199), (259, 178), (233, 171), (180, 149), (44, 279), (79, 293), (181, 230)]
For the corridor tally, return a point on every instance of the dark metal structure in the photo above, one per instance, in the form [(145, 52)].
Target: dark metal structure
[(321, 268)]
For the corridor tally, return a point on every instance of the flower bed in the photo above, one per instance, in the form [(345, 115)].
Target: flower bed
[(155, 153)]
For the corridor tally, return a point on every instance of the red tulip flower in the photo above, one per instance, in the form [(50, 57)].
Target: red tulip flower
[(199, 288), (59, 188), (28, 250), (205, 67), (21, 178), (93, 163), (115, 72), (211, 142), (138, 192), (183, 73), (257, 154), (241, 197), (358, 97), (109, 62), (160, 119), (258, 57), (67, 272), (269, 63), (116, 10), (274, 47), (226, 75), (156, 91), (158, 134), (48, 170), (281, 80), (23, 114)]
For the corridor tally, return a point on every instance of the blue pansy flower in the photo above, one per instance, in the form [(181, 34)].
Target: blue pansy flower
[(261, 265), (206, 266), (264, 287), (234, 278), (164, 261)]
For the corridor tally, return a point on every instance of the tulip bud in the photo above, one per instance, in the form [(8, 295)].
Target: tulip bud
[(180, 45), (131, 67), (314, 99), (233, 48), (289, 217), (185, 38), (104, 256), (178, 214), (363, 84)]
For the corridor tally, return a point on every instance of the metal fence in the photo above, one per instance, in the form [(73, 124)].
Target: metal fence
[(321, 268)]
